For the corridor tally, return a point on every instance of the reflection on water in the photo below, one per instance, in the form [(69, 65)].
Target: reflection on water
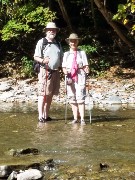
[(109, 139)]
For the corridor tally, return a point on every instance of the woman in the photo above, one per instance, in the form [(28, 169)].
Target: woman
[(75, 67)]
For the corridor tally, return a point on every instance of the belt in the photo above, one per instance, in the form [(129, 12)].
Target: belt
[(50, 70)]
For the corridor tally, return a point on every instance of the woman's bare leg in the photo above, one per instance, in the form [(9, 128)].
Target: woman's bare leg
[(75, 110), (81, 110)]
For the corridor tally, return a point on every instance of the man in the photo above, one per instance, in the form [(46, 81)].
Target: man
[(48, 76)]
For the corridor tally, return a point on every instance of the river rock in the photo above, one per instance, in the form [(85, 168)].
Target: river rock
[(114, 100), (18, 152), (30, 174), (4, 87), (5, 171), (12, 176), (101, 92), (49, 165)]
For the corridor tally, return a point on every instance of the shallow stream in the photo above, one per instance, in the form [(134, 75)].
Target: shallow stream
[(109, 139)]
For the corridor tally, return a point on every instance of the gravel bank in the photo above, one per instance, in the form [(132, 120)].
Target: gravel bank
[(100, 92)]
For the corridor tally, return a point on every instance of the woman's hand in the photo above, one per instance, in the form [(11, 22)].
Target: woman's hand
[(86, 69)]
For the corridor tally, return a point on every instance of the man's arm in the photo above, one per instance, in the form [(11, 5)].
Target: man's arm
[(42, 60)]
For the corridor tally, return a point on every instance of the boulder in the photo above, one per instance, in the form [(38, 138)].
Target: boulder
[(30, 174)]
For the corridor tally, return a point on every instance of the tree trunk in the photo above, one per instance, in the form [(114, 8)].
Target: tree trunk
[(108, 16), (93, 14), (65, 15)]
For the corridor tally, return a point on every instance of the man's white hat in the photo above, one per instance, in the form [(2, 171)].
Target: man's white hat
[(51, 25)]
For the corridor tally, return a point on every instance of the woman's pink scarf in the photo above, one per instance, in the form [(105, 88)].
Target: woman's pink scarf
[(74, 68)]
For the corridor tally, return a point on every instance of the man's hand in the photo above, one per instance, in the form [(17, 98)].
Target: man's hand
[(65, 71), (46, 60)]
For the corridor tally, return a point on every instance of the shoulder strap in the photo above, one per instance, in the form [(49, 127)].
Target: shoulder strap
[(79, 51), (68, 52), (45, 42), (57, 43), (80, 54)]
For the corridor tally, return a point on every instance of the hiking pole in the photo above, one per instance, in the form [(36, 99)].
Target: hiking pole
[(66, 103), (45, 98), (89, 104), (89, 109)]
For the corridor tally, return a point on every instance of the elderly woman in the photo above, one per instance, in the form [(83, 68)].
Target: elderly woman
[(75, 67)]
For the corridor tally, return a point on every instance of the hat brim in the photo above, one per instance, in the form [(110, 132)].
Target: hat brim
[(68, 39), (57, 29)]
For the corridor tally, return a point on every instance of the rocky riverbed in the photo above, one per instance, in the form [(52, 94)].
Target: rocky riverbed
[(99, 91)]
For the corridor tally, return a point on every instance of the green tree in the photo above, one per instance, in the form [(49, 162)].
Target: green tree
[(110, 19), (22, 19), (22, 23), (126, 16)]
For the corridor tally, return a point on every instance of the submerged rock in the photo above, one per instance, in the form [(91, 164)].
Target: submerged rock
[(49, 165), (104, 166), (27, 151)]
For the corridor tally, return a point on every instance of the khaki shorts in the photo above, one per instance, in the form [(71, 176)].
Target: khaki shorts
[(77, 91), (48, 87)]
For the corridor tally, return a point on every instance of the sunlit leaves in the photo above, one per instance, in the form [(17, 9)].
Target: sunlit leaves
[(126, 14), (22, 19), (40, 15), (14, 29)]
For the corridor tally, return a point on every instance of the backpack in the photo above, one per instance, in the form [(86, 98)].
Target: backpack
[(36, 65)]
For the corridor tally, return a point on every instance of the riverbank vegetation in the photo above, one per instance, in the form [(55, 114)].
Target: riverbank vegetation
[(106, 27)]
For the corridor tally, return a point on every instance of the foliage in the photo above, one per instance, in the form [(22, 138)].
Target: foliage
[(126, 14), (22, 24), (27, 67), (14, 29), (88, 49), (22, 19), (97, 64)]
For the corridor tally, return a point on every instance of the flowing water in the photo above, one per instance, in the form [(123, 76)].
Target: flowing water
[(109, 139)]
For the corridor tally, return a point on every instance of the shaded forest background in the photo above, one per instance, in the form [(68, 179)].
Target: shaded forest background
[(107, 29)]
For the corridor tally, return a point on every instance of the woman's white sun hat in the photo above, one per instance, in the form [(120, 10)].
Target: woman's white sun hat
[(51, 25), (72, 36)]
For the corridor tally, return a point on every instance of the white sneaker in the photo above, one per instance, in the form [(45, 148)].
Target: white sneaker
[(83, 122)]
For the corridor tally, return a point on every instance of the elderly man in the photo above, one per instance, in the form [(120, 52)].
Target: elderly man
[(48, 53)]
